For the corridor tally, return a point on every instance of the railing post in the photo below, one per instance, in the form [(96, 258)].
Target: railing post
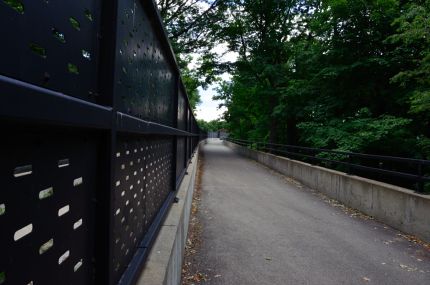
[(175, 125), (104, 246), (420, 174), (348, 166), (380, 176)]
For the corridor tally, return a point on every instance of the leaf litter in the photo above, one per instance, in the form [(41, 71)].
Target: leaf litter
[(192, 273), (354, 213)]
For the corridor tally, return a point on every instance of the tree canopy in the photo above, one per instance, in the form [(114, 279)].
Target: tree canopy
[(212, 126), (190, 25), (340, 74)]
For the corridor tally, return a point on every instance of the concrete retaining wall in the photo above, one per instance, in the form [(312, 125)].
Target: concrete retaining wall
[(398, 207), (164, 263)]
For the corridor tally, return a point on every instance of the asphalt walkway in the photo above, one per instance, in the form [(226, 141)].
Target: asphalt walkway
[(262, 228)]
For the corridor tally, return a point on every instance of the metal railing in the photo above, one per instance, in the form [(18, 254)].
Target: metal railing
[(97, 133), (405, 172)]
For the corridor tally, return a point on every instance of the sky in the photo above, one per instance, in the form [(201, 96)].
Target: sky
[(208, 109)]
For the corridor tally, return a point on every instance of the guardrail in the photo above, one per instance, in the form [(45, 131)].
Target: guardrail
[(406, 172), (97, 133)]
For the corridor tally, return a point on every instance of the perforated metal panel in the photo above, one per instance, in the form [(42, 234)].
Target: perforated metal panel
[(180, 156), (182, 111), (145, 81), (47, 207), (80, 191), (143, 180), (52, 44)]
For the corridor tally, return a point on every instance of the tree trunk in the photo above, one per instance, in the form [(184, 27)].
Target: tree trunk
[(292, 138), (273, 124), (273, 130)]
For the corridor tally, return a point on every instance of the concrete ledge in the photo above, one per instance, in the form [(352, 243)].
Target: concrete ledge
[(164, 263), (398, 207)]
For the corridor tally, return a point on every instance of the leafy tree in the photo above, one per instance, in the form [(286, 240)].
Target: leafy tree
[(341, 74), (413, 39), (190, 26), (212, 126), (259, 32)]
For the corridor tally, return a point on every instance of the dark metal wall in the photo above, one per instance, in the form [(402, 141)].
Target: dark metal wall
[(96, 136), (52, 44), (145, 79)]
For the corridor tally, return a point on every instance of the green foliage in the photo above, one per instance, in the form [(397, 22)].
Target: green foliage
[(339, 74), (413, 38), (423, 143), (212, 126), (354, 134), (191, 27), (75, 24), (191, 84), (16, 5), (420, 101), (72, 68)]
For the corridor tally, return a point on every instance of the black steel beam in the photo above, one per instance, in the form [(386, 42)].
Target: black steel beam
[(129, 124), (29, 103), (26, 102), (104, 266)]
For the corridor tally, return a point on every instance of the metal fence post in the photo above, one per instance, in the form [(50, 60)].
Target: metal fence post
[(348, 166), (105, 194), (420, 174), (175, 125)]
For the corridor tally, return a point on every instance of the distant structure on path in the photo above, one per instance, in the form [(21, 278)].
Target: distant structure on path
[(221, 134)]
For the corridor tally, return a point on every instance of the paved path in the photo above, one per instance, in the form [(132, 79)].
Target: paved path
[(259, 228)]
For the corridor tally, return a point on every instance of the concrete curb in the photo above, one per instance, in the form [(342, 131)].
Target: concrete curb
[(398, 207), (164, 263)]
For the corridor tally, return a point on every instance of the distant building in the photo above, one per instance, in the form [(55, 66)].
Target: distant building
[(221, 133)]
